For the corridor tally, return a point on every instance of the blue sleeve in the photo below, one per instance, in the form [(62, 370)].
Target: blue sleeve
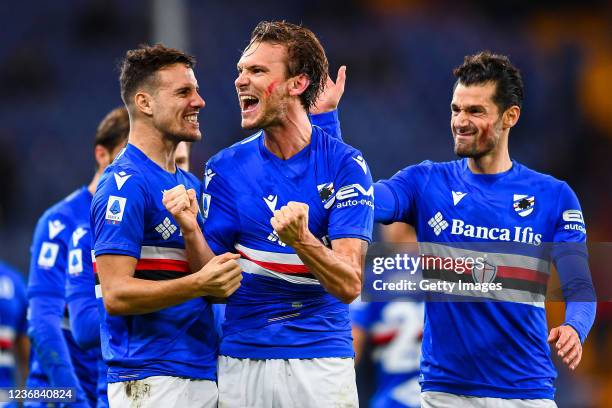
[(117, 216), (48, 342), (352, 214), (360, 314), (80, 291), (571, 259), (385, 203), (398, 200), (222, 221), (21, 322), (329, 122)]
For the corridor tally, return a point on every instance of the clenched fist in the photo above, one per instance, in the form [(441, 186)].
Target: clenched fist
[(220, 277), (183, 205), (291, 222)]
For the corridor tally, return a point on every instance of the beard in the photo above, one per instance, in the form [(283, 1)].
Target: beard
[(483, 142)]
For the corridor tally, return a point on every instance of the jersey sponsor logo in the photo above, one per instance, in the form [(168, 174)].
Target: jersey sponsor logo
[(115, 208), (525, 235), (346, 196), (55, 227), (523, 204), (326, 193), (575, 227), (273, 237), (166, 228), (457, 196), (77, 235), (205, 204), (438, 223), (75, 262), (573, 216), (271, 201), (121, 178), (48, 254), (208, 175), (361, 162)]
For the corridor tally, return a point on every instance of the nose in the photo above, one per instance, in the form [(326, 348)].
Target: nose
[(198, 101), (241, 80), (461, 119)]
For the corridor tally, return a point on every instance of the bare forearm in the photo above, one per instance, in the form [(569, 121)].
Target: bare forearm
[(337, 273), (22, 352), (197, 249), (138, 296)]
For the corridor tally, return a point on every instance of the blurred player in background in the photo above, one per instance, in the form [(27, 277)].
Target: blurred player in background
[(494, 352), (14, 343), (394, 331), (157, 331), (57, 360), (287, 336)]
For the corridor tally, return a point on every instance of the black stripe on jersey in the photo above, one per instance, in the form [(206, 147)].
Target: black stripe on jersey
[(158, 275)]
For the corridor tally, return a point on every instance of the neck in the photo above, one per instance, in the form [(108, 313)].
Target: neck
[(154, 144), (288, 138), (495, 162)]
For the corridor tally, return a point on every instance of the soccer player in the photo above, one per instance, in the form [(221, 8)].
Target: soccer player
[(275, 198), (84, 310), (394, 330), (494, 352), (57, 360), (14, 343), (157, 330)]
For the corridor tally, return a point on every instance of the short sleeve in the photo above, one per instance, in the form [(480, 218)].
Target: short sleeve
[(118, 214), (221, 220), (21, 323), (80, 278), (48, 256), (570, 226), (361, 315), (352, 213)]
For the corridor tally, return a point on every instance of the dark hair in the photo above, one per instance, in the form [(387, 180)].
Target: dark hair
[(140, 65), (486, 67), (114, 129), (305, 55)]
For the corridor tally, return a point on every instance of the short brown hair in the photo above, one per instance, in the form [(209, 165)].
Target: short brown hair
[(141, 64), (114, 129), (305, 55), (486, 67)]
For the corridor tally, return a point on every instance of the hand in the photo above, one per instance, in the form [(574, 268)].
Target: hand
[(291, 223), (329, 99), (567, 344), (220, 277), (183, 205)]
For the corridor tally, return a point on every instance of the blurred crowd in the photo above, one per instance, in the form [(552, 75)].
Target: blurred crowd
[(58, 78)]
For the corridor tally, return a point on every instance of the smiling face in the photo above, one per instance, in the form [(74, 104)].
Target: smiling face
[(262, 85), (476, 122), (175, 103)]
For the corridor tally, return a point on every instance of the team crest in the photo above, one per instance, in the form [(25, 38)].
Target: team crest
[(523, 204), (327, 194), (485, 273), (205, 205)]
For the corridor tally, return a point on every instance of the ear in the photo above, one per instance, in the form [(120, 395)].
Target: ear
[(143, 102), (511, 116), (298, 84), (103, 156)]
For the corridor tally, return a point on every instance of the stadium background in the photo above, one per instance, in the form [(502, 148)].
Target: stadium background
[(58, 78)]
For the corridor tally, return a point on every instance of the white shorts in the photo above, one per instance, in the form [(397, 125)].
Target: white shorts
[(163, 391), (434, 399), (303, 383)]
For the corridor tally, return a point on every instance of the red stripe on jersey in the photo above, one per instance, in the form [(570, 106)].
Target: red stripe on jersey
[(514, 272), (278, 267), (162, 265), (6, 344)]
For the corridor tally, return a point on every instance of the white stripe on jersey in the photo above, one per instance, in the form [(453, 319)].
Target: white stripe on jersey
[(153, 252), (267, 256), (251, 267)]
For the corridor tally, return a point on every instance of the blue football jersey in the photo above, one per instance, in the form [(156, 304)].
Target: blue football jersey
[(13, 306), (83, 306), (281, 310), (56, 358), (128, 218), (488, 349), (395, 330)]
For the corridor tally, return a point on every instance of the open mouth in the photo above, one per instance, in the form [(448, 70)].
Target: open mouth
[(248, 103)]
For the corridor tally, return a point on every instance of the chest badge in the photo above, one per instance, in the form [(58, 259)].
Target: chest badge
[(523, 204), (327, 194)]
